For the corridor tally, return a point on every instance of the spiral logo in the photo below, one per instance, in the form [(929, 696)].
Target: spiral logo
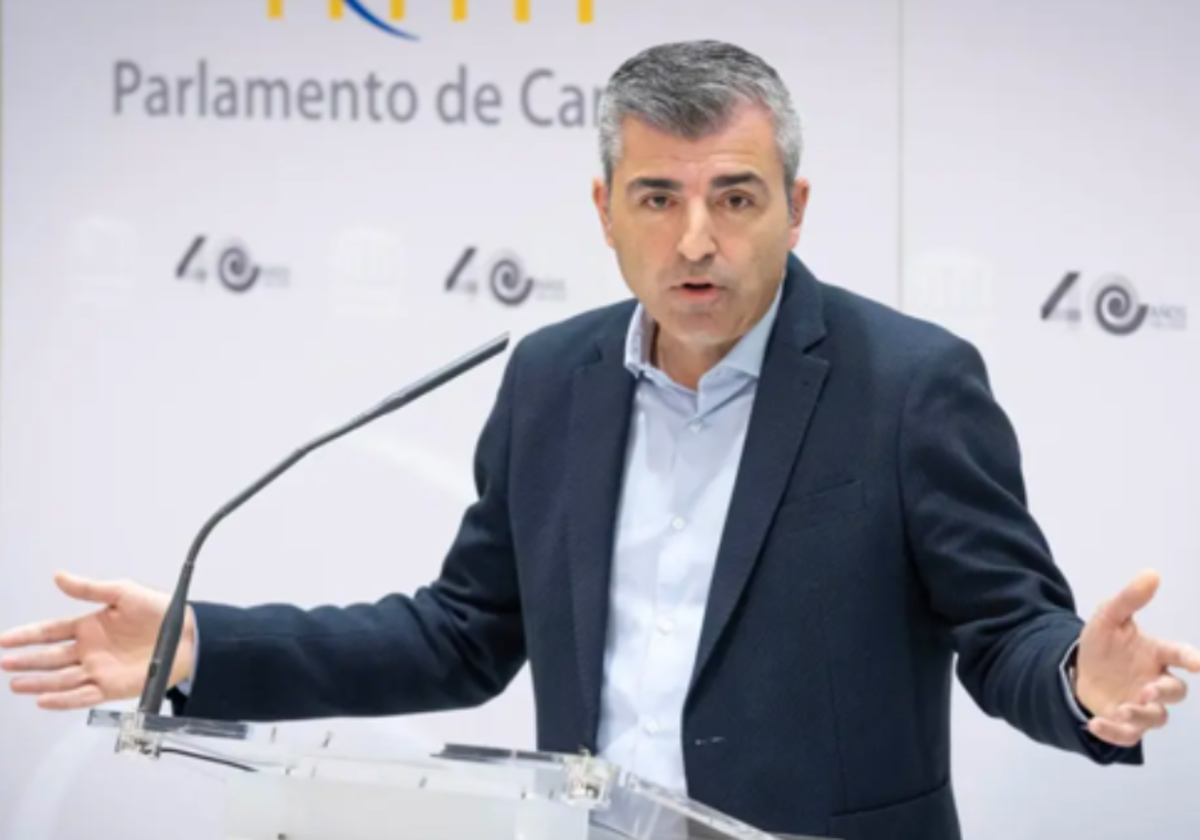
[(235, 269), (510, 284), (1116, 308)]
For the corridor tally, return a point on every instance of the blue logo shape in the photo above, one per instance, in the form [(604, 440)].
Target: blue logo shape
[(378, 22)]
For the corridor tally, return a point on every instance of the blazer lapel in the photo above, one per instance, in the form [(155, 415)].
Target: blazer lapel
[(789, 385), (601, 403)]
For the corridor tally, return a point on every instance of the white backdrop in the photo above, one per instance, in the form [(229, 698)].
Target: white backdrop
[(985, 149)]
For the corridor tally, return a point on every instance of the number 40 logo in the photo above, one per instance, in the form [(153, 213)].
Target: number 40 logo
[(1113, 303), (504, 275)]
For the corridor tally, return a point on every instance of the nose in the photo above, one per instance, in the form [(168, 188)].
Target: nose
[(697, 243)]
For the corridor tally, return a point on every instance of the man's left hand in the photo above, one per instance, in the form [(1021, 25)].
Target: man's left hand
[(1122, 675)]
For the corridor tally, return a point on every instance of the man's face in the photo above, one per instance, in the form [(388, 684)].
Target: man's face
[(701, 228)]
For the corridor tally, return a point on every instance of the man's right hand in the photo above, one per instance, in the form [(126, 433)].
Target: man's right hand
[(99, 657)]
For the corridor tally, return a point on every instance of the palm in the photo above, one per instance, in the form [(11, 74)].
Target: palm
[(1119, 660), (115, 643)]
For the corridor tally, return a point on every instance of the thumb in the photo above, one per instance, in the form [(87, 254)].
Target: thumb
[(1132, 598), (82, 589)]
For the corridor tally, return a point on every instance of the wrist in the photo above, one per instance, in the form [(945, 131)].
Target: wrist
[(1079, 690)]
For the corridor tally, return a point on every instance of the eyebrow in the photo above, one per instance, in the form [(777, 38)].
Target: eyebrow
[(738, 179), (667, 184), (720, 182)]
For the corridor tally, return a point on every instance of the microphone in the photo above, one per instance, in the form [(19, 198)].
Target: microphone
[(163, 657)]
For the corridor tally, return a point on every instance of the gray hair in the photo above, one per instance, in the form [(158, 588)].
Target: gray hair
[(691, 90)]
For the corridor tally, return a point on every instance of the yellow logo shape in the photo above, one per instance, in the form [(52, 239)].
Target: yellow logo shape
[(522, 10)]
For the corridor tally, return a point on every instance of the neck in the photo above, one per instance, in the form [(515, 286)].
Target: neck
[(686, 364)]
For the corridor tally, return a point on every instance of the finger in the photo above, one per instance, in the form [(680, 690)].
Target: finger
[(66, 679), (1179, 655), (79, 698), (83, 589), (1166, 689), (1118, 734), (1132, 598), (46, 659), (1144, 717), (42, 633)]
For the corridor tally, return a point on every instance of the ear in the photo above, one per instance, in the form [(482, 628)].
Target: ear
[(800, 191), (600, 197)]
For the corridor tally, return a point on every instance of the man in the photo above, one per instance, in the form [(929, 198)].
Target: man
[(738, 527)]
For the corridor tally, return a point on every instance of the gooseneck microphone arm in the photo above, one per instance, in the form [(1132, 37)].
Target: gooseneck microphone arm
[(163, 658)]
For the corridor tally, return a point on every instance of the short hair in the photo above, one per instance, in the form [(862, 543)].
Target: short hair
[(692, 89)]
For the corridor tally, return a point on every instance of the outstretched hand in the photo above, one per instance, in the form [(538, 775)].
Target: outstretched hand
[(1123, 675), (95, 658)]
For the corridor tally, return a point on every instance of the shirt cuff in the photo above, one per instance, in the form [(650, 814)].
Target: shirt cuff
[(1065, 667), (185, 687)]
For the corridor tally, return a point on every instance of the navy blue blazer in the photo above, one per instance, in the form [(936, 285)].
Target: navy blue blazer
[(878, 527)]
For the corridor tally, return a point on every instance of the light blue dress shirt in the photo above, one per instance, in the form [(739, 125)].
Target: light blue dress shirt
[(682, 458)]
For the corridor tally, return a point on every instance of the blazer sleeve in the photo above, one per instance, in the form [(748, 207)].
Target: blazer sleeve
[(453, 644), (984, 561)]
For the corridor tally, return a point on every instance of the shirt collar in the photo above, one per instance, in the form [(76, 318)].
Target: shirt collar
[(745, 356)]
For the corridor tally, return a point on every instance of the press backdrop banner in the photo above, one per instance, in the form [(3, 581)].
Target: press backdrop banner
[(231, 225)]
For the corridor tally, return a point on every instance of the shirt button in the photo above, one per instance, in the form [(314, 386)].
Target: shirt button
[(666, 626), (677, 523), (651, 727), (696, 425)]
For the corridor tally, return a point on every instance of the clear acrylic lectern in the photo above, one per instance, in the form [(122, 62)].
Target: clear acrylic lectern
[(282, 791)]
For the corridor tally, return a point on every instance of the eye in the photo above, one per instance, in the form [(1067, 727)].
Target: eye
[(739, 201), (657, 201)]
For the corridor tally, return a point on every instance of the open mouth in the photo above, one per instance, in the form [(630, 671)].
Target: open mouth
[(699, 292)]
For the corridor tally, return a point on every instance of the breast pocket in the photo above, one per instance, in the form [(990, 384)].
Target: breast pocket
[(819, 507)]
